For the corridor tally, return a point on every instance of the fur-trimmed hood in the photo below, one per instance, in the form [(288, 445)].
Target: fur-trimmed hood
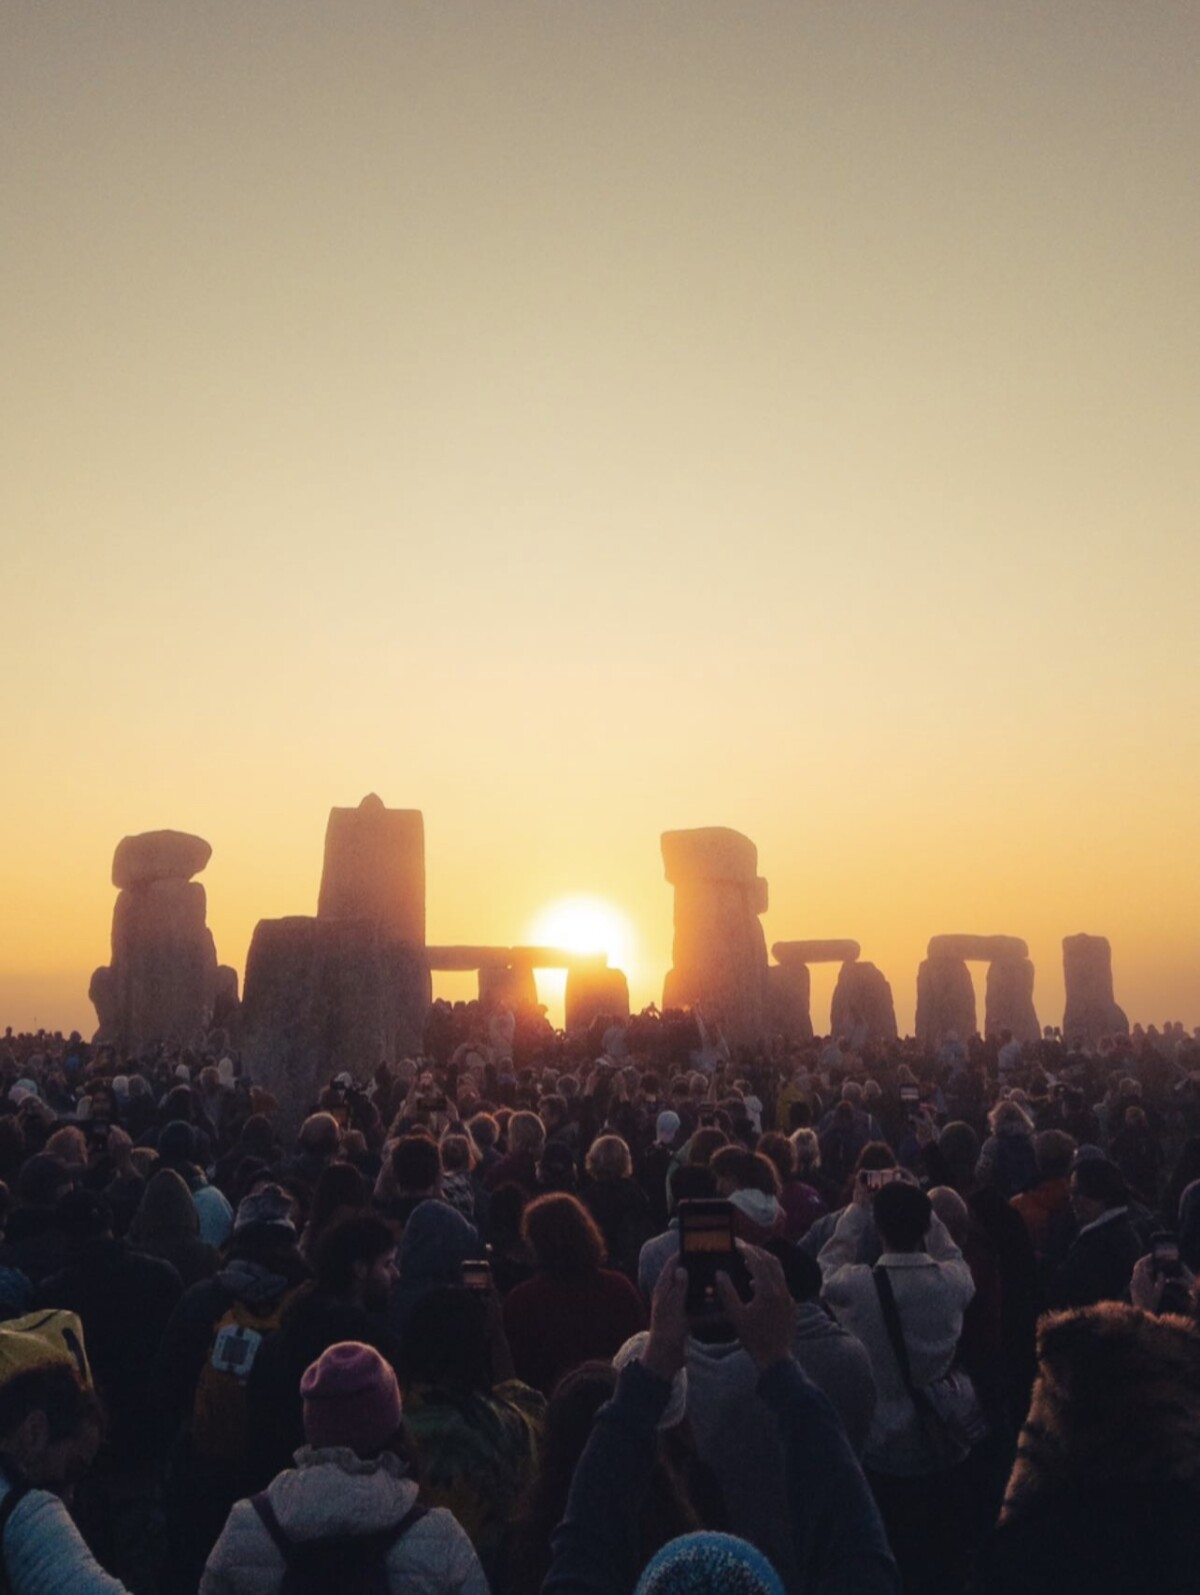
[(1116, 1401)]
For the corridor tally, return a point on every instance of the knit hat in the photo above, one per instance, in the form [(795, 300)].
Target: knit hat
[(270, 1205), (177, 1142), (709, 1564), (666, 1127), (676, 1407), (350, 1398)]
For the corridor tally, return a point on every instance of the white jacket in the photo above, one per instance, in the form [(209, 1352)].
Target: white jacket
[(333, 1492), (932, 1289), (44, 1553)]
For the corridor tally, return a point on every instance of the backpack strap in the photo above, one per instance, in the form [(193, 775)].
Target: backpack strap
[(287, 1547), (266, 1514), (895, 1333), (414, 1515)]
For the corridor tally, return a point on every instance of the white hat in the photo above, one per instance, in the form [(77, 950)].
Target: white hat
[(631, 1351)]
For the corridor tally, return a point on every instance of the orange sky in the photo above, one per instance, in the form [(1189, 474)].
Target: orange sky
[(578, 421)]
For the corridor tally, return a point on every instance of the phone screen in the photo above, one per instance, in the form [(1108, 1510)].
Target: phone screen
[(706, 1248), (706, 1231)]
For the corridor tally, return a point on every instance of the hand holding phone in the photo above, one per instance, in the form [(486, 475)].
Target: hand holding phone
[(708, 1247)]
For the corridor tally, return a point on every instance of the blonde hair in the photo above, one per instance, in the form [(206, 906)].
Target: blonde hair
[(609, 1159)]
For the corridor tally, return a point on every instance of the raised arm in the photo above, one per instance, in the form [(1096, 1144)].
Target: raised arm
[(837, 1533), (596, 1548)]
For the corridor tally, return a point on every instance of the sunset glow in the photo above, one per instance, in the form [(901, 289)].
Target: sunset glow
[(577, 422), (587, 925)]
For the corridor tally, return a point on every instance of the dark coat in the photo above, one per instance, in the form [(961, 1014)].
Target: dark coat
[(124, 1300), (1099, 1265)]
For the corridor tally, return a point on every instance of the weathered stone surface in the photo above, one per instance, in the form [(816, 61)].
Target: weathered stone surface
[(720, 953), (789, 1001), (862, 1008), (326, 995), (816, 952), (1091, 1008), (512, 987), (375, 869), (158, 856), (945, 1002), (162, 982), (712, 853), (594, 992), (1008, 1003), (467, 959), (978, 948), (226, 1006)]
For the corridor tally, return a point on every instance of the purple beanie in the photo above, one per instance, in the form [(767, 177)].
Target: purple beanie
[(351, 1398)]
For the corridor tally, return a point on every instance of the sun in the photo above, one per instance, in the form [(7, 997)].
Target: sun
[(587, 925)]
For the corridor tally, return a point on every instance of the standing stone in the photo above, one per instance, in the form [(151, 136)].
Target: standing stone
[(158, 856), (162, 982), (720, 953), (326, 995), (226, 1004), (351, 987), (945, 1002), (594, 991), (862, 1008), (510, 986), (1008, 1004), (789, 1001), (375, 869), (1091, 1008)]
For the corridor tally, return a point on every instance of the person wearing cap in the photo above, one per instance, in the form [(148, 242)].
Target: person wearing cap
[(653, 1164), (263, 1271), (352, 1476), (178, 1149)]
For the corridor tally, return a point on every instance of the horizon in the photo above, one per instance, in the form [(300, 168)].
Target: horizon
[(581, 421)]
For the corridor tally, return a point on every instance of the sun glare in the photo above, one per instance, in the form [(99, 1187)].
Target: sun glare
[(586, 925)]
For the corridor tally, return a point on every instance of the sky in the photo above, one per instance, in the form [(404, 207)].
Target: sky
[(578, 419)]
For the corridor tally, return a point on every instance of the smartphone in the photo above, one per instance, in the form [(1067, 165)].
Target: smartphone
[(707, 1120), (910, 1096), (1164, 1248), (876, 1179), (476, 1274), (707, 1247)]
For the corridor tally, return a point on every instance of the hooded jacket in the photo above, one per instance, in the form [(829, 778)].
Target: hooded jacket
[(737, 1437), (331, 1492), (437, 1241)]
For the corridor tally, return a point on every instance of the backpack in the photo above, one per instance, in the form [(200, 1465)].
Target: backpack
[(53, 1335), (220, 1431), (353, 1563)]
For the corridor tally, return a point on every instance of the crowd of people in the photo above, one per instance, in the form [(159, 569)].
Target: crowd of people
[(468, 1329)]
